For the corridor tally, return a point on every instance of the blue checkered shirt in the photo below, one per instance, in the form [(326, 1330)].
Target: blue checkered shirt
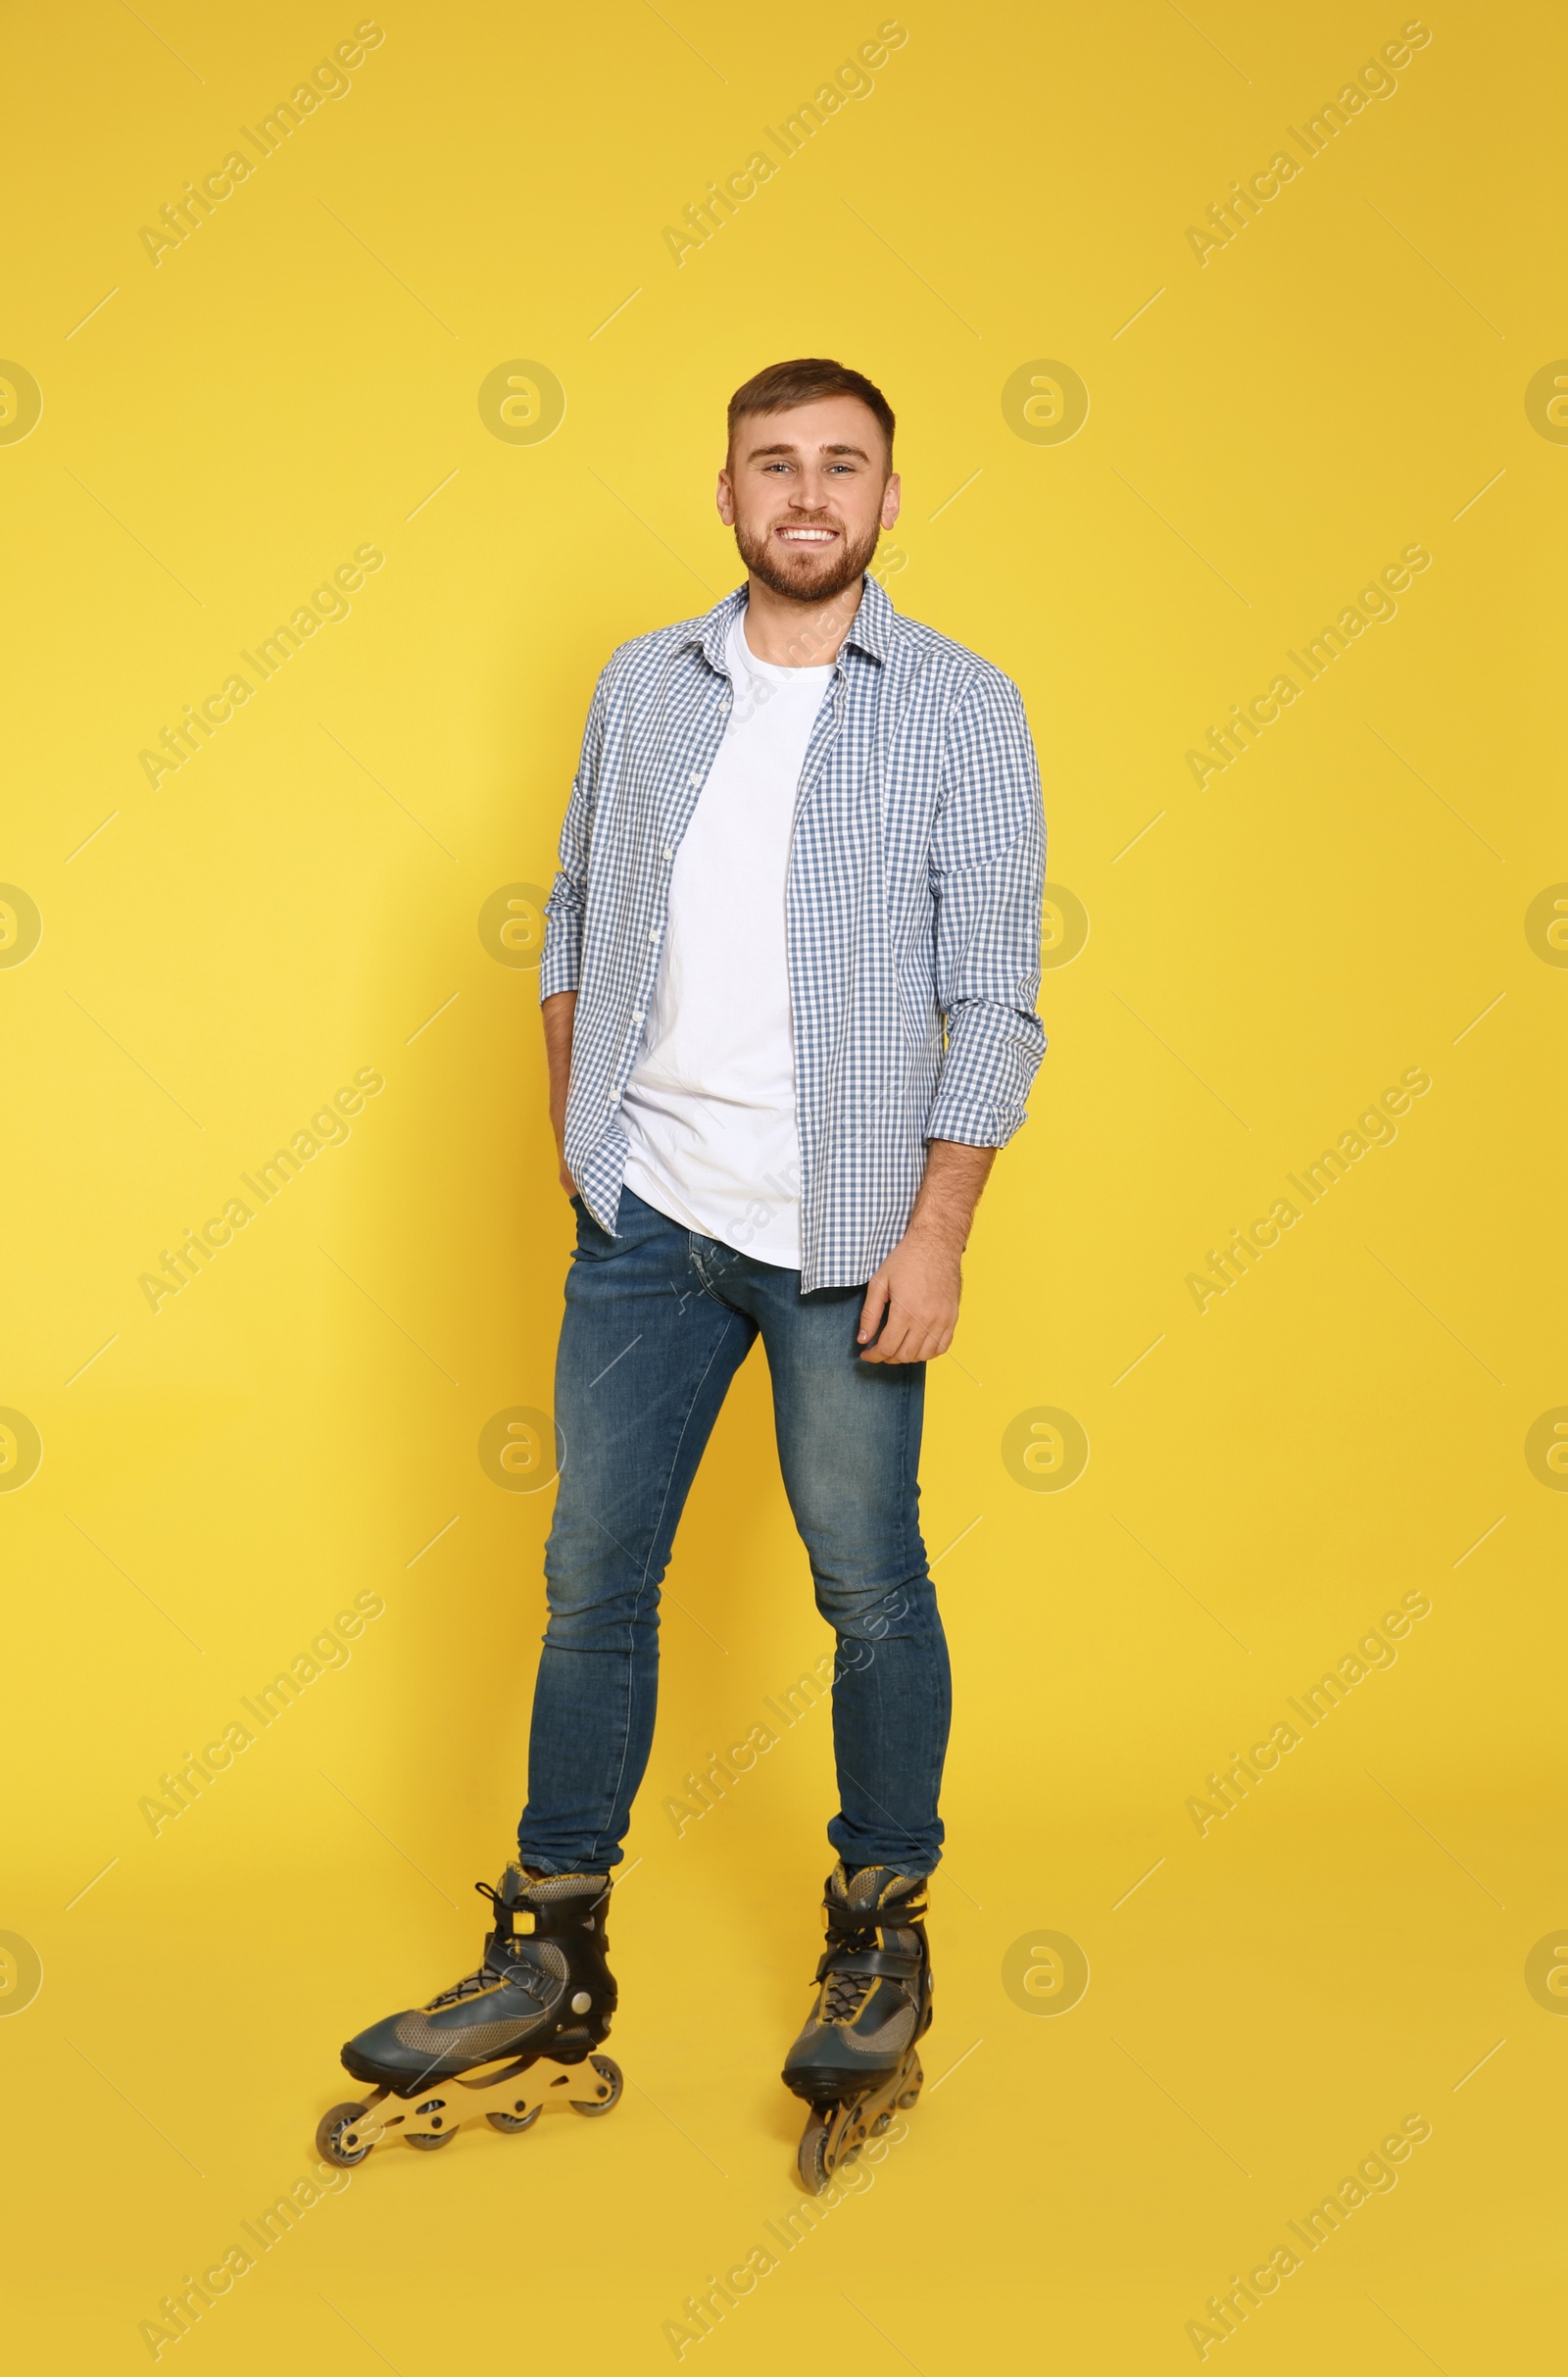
[(914, 899)]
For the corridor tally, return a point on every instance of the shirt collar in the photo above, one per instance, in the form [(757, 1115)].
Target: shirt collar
[(871, 629)]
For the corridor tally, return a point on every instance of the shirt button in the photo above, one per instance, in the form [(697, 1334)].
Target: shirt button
[(652, 936), (667, 852), (638, 1013), (696, 778)]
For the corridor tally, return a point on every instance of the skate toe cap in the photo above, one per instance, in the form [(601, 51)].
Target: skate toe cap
[(818, 2058), (831, 2060), (379, 2056)]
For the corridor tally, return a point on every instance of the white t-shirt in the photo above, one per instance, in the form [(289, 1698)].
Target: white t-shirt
[(709, 1109)]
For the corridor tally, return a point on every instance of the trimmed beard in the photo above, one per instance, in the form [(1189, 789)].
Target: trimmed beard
[(761, 561)]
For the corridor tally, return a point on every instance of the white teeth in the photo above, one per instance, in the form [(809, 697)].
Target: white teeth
[(808, 536)]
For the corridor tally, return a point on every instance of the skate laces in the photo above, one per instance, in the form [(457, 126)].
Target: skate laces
[(512, 1965), (519, 1972), (859, 1926), (469, 1987), (844, 1995), (846, 1992)]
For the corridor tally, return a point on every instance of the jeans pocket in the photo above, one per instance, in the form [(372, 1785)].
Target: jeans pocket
[(593, 1243)]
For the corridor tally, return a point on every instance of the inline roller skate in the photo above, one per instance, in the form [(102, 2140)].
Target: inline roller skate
[(856, 2062), (505, 2044)]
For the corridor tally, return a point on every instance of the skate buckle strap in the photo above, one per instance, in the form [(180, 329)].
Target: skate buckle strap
[(547, 1917), (845, 1929), (899, 1965), (851, 1920)]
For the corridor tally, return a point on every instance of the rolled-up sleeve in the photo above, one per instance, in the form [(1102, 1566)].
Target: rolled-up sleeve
[(562, 963), (988, 866)]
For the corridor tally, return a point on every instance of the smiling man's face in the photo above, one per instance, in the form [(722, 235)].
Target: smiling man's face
[(808, 492)]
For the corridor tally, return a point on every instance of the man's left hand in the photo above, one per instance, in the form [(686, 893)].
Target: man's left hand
[(913, 1300)]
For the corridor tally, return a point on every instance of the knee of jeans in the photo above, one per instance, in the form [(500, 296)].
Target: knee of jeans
[(873, 1612), (627, 1622), (583, 1596)]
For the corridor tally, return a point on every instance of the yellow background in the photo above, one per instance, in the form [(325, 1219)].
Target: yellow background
[(294, 905)]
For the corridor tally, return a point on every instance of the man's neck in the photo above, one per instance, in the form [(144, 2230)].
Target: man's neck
[(798, 635)]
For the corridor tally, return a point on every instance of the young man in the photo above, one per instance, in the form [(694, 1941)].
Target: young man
[(789, 988)]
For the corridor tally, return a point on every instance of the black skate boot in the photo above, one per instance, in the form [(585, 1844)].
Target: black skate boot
[(504, 2042), (855, 2063)]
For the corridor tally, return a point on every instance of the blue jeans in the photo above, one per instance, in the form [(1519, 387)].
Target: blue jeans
[(659, 1320)]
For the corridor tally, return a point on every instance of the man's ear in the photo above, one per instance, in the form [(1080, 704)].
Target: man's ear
[(891, 495), (724, 497)]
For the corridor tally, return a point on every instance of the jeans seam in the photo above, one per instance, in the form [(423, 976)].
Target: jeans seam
[(642, 1586), (928, 1857), (934, 1634)]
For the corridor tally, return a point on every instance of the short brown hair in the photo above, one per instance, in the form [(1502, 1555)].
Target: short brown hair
[(783, 385)]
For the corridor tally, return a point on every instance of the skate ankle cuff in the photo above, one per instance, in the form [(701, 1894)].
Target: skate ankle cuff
[(520, 1888)]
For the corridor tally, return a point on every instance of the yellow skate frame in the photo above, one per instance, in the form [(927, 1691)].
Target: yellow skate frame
[(834, 2133), (516, 2090)]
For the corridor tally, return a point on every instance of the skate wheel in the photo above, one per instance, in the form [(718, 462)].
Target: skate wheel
[(883, 2121), (515, 2121), (425, 2143), (610, 2075), (908, 2096), (333, 2128), (811, 2158)]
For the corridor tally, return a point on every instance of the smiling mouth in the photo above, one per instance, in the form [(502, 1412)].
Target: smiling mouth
[(807, 536)]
